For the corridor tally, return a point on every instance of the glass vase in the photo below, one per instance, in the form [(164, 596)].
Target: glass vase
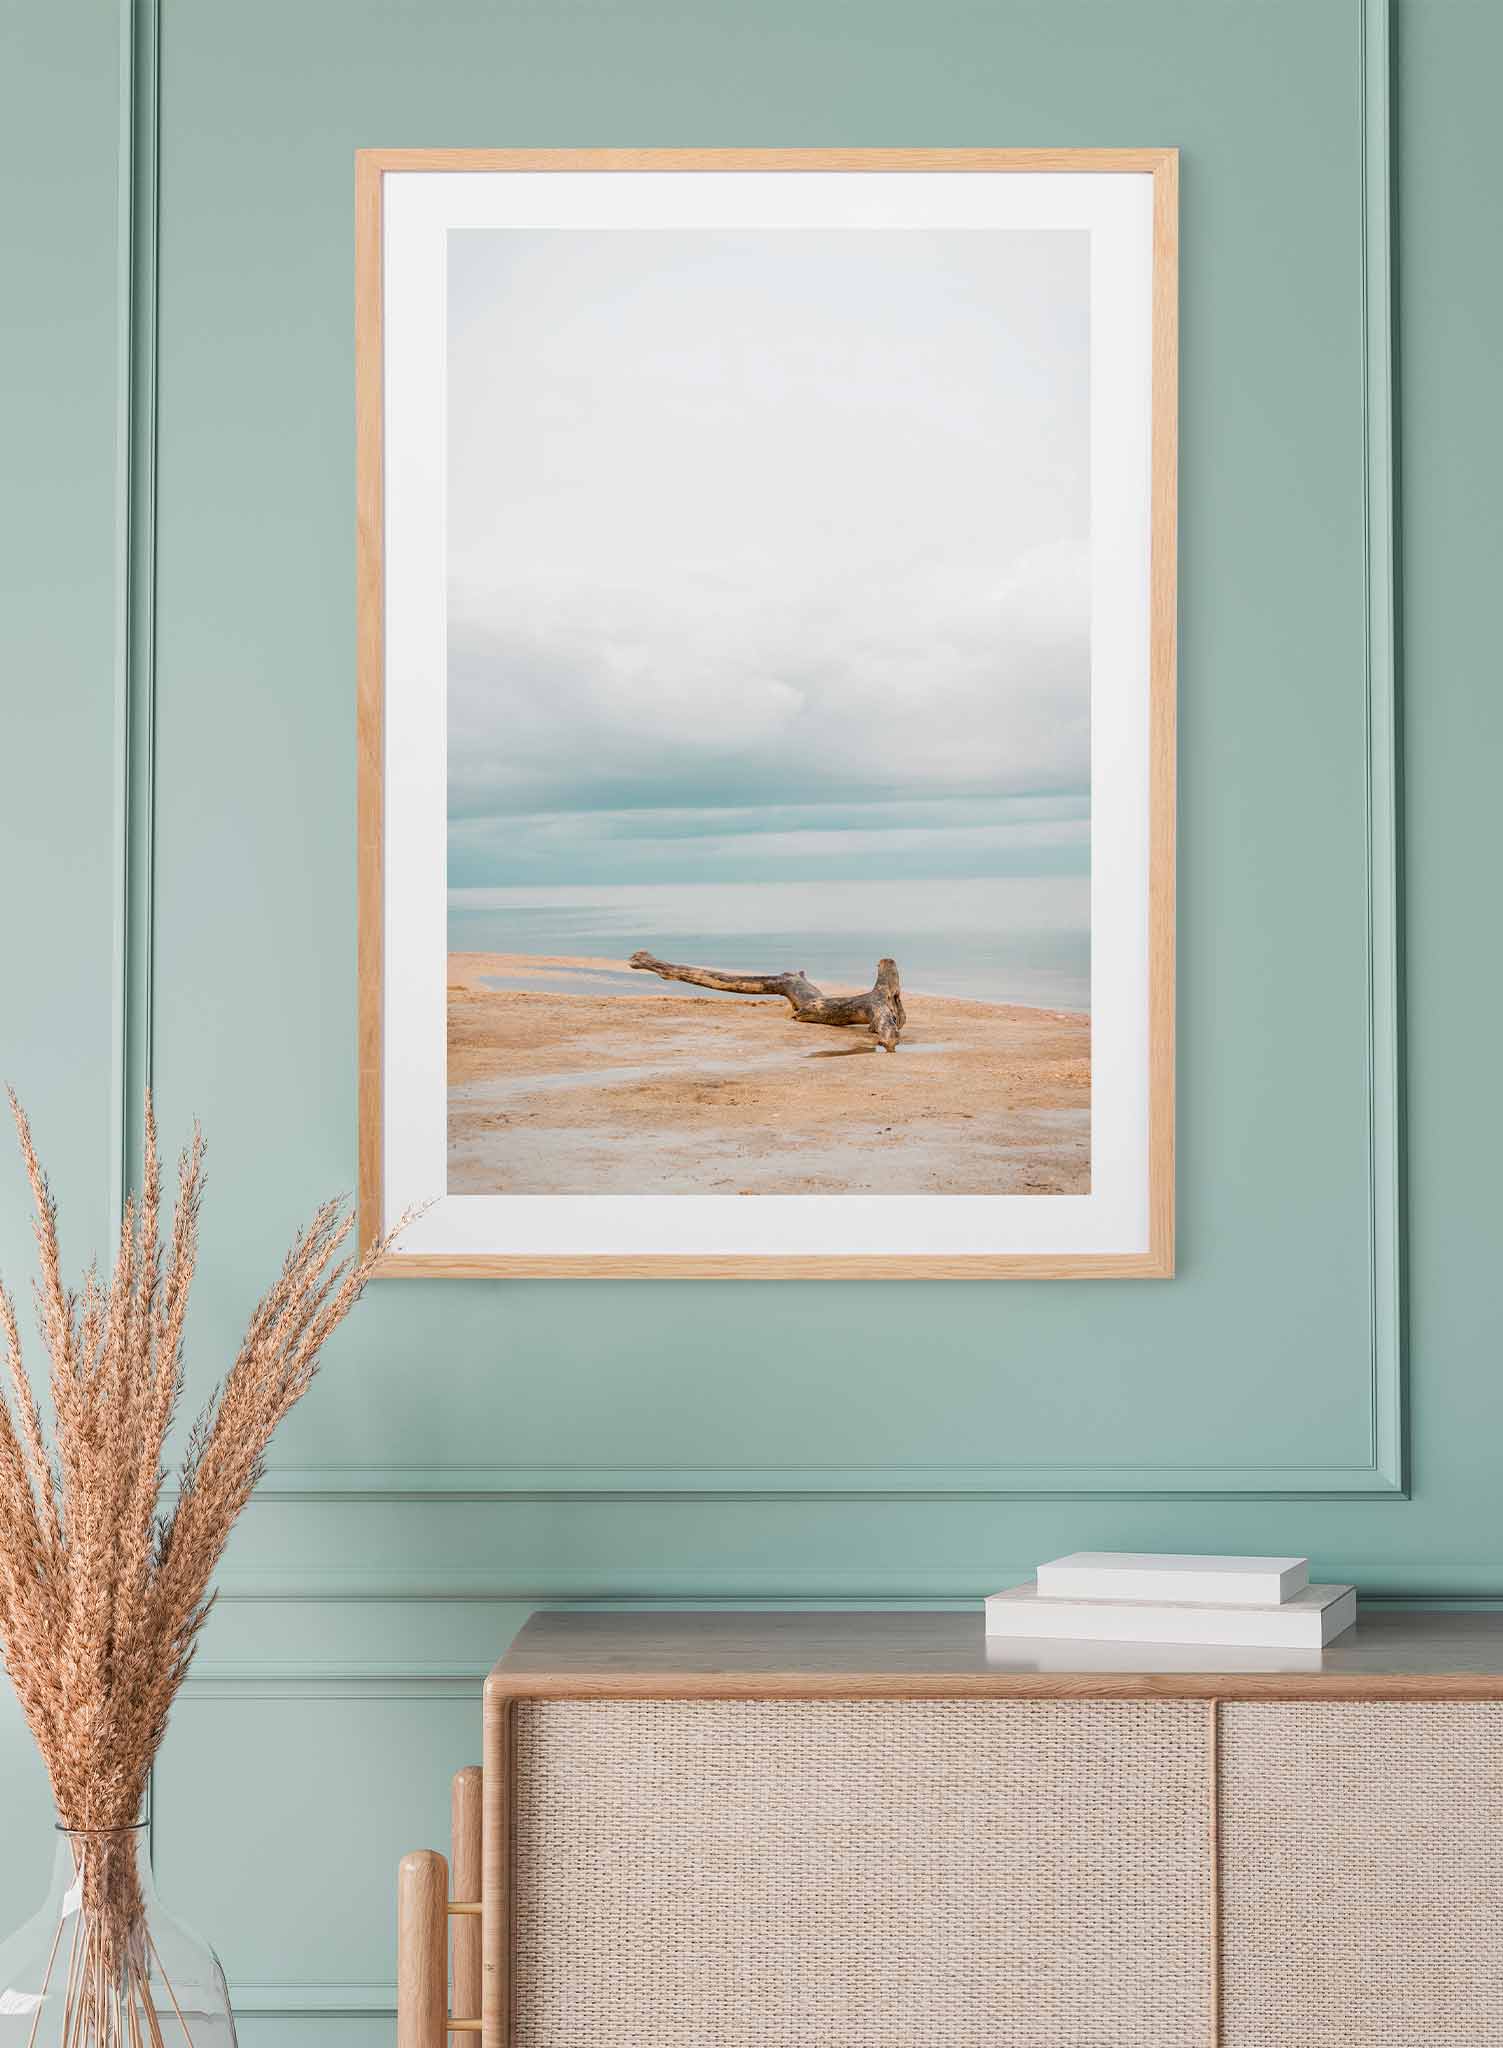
[(102, 1965)]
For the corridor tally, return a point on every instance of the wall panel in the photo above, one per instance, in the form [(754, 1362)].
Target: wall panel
[(59, 251), (287, 1805), (1111, 1388)]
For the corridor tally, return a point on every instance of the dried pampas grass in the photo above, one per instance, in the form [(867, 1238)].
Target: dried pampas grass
[(104, 1589)]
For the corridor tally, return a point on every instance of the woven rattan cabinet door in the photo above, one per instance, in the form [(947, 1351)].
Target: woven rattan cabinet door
[(862, 1874), (1362, 1875)]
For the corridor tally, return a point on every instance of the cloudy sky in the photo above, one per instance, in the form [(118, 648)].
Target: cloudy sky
[(768, 555)]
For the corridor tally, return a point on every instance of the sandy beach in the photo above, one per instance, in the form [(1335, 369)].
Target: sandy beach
[(589, 1087)]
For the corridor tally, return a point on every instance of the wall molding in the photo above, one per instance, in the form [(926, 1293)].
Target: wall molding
[(315, 2001), (1385, 1472), (1385, 1006), (957, 1587), (135, 590), (844, 1482), (345, 1680)]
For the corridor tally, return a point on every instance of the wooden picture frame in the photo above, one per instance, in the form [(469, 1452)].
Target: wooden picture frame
[(1151, 1255)]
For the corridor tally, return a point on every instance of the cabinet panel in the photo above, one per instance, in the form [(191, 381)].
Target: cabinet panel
[(1362, 1875), (875, 1873)]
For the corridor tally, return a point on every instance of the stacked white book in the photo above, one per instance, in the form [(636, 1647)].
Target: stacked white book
[(1110, 1596)]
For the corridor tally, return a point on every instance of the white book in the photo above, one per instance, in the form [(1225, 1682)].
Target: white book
[(1146, 1575), (1314, 1617)]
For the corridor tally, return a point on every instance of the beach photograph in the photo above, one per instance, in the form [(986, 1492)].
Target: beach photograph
[(768, 712)]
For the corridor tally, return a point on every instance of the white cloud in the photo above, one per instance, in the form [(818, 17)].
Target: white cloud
[(767, 518)]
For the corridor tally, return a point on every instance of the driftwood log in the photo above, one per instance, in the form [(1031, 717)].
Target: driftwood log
[(880, 1010)]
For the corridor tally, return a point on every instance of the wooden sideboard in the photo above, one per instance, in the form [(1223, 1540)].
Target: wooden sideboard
[(877, 1830)]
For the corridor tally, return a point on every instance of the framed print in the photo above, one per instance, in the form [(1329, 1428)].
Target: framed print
[(766, 711)]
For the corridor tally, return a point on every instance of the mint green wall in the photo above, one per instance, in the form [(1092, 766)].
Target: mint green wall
[(58, 115), (475, 1448)]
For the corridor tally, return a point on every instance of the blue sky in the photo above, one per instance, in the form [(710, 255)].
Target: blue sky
[(768, 556)]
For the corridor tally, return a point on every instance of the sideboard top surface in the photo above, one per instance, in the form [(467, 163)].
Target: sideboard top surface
[(720, 1654)]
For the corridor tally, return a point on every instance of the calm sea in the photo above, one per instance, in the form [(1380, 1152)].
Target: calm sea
[(1001, 940)]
